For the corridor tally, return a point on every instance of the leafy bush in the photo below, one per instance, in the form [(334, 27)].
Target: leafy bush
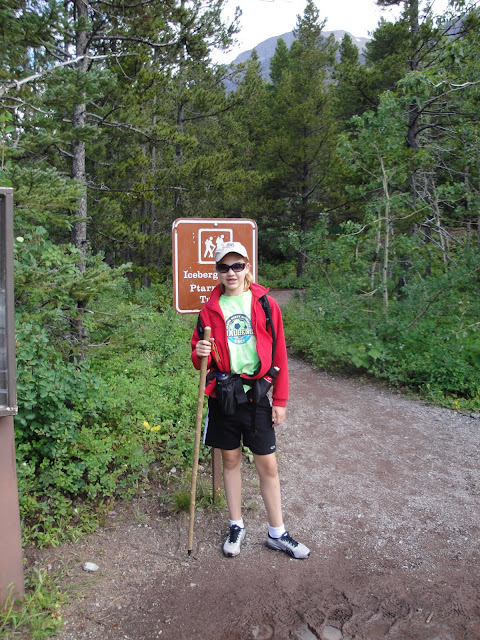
[(279, 276), (86, 431), (429, 343), (66, 449), (145, 364)]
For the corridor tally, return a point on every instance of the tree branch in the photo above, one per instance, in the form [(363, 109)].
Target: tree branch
[(129, 127), (454, 87), (424, 310), (16, 84), (154, 45)]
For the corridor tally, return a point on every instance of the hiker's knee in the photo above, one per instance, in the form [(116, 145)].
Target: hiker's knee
[(232, 458), (266, 465)]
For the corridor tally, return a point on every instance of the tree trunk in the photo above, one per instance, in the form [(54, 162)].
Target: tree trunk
[(413, 17), (378, 245), (438, 223), (177, 198), (413, 112), (386, 241), (177, 202), (301, 259), (148, 205), (79, 228), (79, 120), (468, 208)]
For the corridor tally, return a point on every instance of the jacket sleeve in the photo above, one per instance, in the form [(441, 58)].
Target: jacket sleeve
[(195, 359), (280, 386)]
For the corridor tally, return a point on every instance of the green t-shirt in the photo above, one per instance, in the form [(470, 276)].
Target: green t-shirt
[(242, 343)]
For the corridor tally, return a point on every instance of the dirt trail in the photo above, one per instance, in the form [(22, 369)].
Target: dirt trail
[(383, 489)]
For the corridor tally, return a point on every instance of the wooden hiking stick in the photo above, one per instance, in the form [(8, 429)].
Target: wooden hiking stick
[(196, 448)]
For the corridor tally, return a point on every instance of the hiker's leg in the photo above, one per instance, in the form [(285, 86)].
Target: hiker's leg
[(232, 480), (270, 487)]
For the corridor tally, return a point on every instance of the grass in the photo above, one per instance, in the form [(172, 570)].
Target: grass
[(203, 499), (38, 615)]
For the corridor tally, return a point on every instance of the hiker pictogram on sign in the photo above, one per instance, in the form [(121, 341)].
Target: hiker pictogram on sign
[(208, 243)]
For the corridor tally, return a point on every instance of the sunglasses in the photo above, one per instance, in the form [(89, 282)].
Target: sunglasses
[(237, 267)]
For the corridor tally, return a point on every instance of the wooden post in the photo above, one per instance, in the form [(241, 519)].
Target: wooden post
[(216, 474), (11, 559), (196, 449)]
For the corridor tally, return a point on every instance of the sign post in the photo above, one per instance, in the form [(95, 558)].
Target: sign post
[(11, 561), (194, 243)]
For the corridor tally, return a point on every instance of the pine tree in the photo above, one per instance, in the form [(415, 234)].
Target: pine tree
[(157, 158), (349, 93), (242, 134), (279, 61), (303, 129), (419, 195)]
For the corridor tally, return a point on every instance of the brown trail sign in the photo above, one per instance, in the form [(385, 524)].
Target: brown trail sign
[(193, 250)]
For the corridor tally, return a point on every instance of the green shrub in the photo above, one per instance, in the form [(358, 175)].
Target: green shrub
[(279, 276), (38, 614), (148, 373), (66, 449), (85, 432), (429, 343)]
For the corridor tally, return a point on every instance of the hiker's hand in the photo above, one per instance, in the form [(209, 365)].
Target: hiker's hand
[(278, 415), (204, 347)]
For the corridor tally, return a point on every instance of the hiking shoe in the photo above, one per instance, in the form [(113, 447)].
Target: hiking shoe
[(289, 545), (231, 546)]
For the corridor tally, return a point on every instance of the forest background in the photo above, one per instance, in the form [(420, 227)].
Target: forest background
[(363, 176)]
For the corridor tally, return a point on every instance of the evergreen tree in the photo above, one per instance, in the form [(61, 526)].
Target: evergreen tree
[(166, 130), (244, 130), (414, 219), (349, 94), (303, 129), (359, 87), (78, 105), (279, 61)]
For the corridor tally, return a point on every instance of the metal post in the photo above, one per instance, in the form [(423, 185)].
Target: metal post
[(11, 561)]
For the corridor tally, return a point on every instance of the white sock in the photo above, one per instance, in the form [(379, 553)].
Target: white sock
[(239, 523), (276, 532)]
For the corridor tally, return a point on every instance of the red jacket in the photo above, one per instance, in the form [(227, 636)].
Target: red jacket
[(211, 316)]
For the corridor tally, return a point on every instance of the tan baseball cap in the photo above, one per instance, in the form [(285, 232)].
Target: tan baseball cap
[(230, 247)]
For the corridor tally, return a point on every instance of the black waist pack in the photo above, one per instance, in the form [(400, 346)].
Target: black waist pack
[(229, 392), (262, 385)]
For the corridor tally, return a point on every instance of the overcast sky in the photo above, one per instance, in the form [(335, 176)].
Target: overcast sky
[(262, 19)]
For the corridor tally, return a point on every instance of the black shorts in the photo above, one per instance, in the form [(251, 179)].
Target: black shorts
[(226, 432)]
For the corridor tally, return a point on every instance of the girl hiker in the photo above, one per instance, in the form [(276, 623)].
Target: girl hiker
[(246, 355)]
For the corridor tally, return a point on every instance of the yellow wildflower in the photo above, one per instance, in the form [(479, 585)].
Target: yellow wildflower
[(156, 428), (146, 425)]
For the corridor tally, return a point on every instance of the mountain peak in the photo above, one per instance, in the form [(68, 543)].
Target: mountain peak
[(266, 49)]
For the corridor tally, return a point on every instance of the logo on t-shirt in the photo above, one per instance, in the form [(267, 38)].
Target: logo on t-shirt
[(239, 328)]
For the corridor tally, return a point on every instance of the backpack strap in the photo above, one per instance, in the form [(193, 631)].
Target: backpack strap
[(269, 323), (200, 329)]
